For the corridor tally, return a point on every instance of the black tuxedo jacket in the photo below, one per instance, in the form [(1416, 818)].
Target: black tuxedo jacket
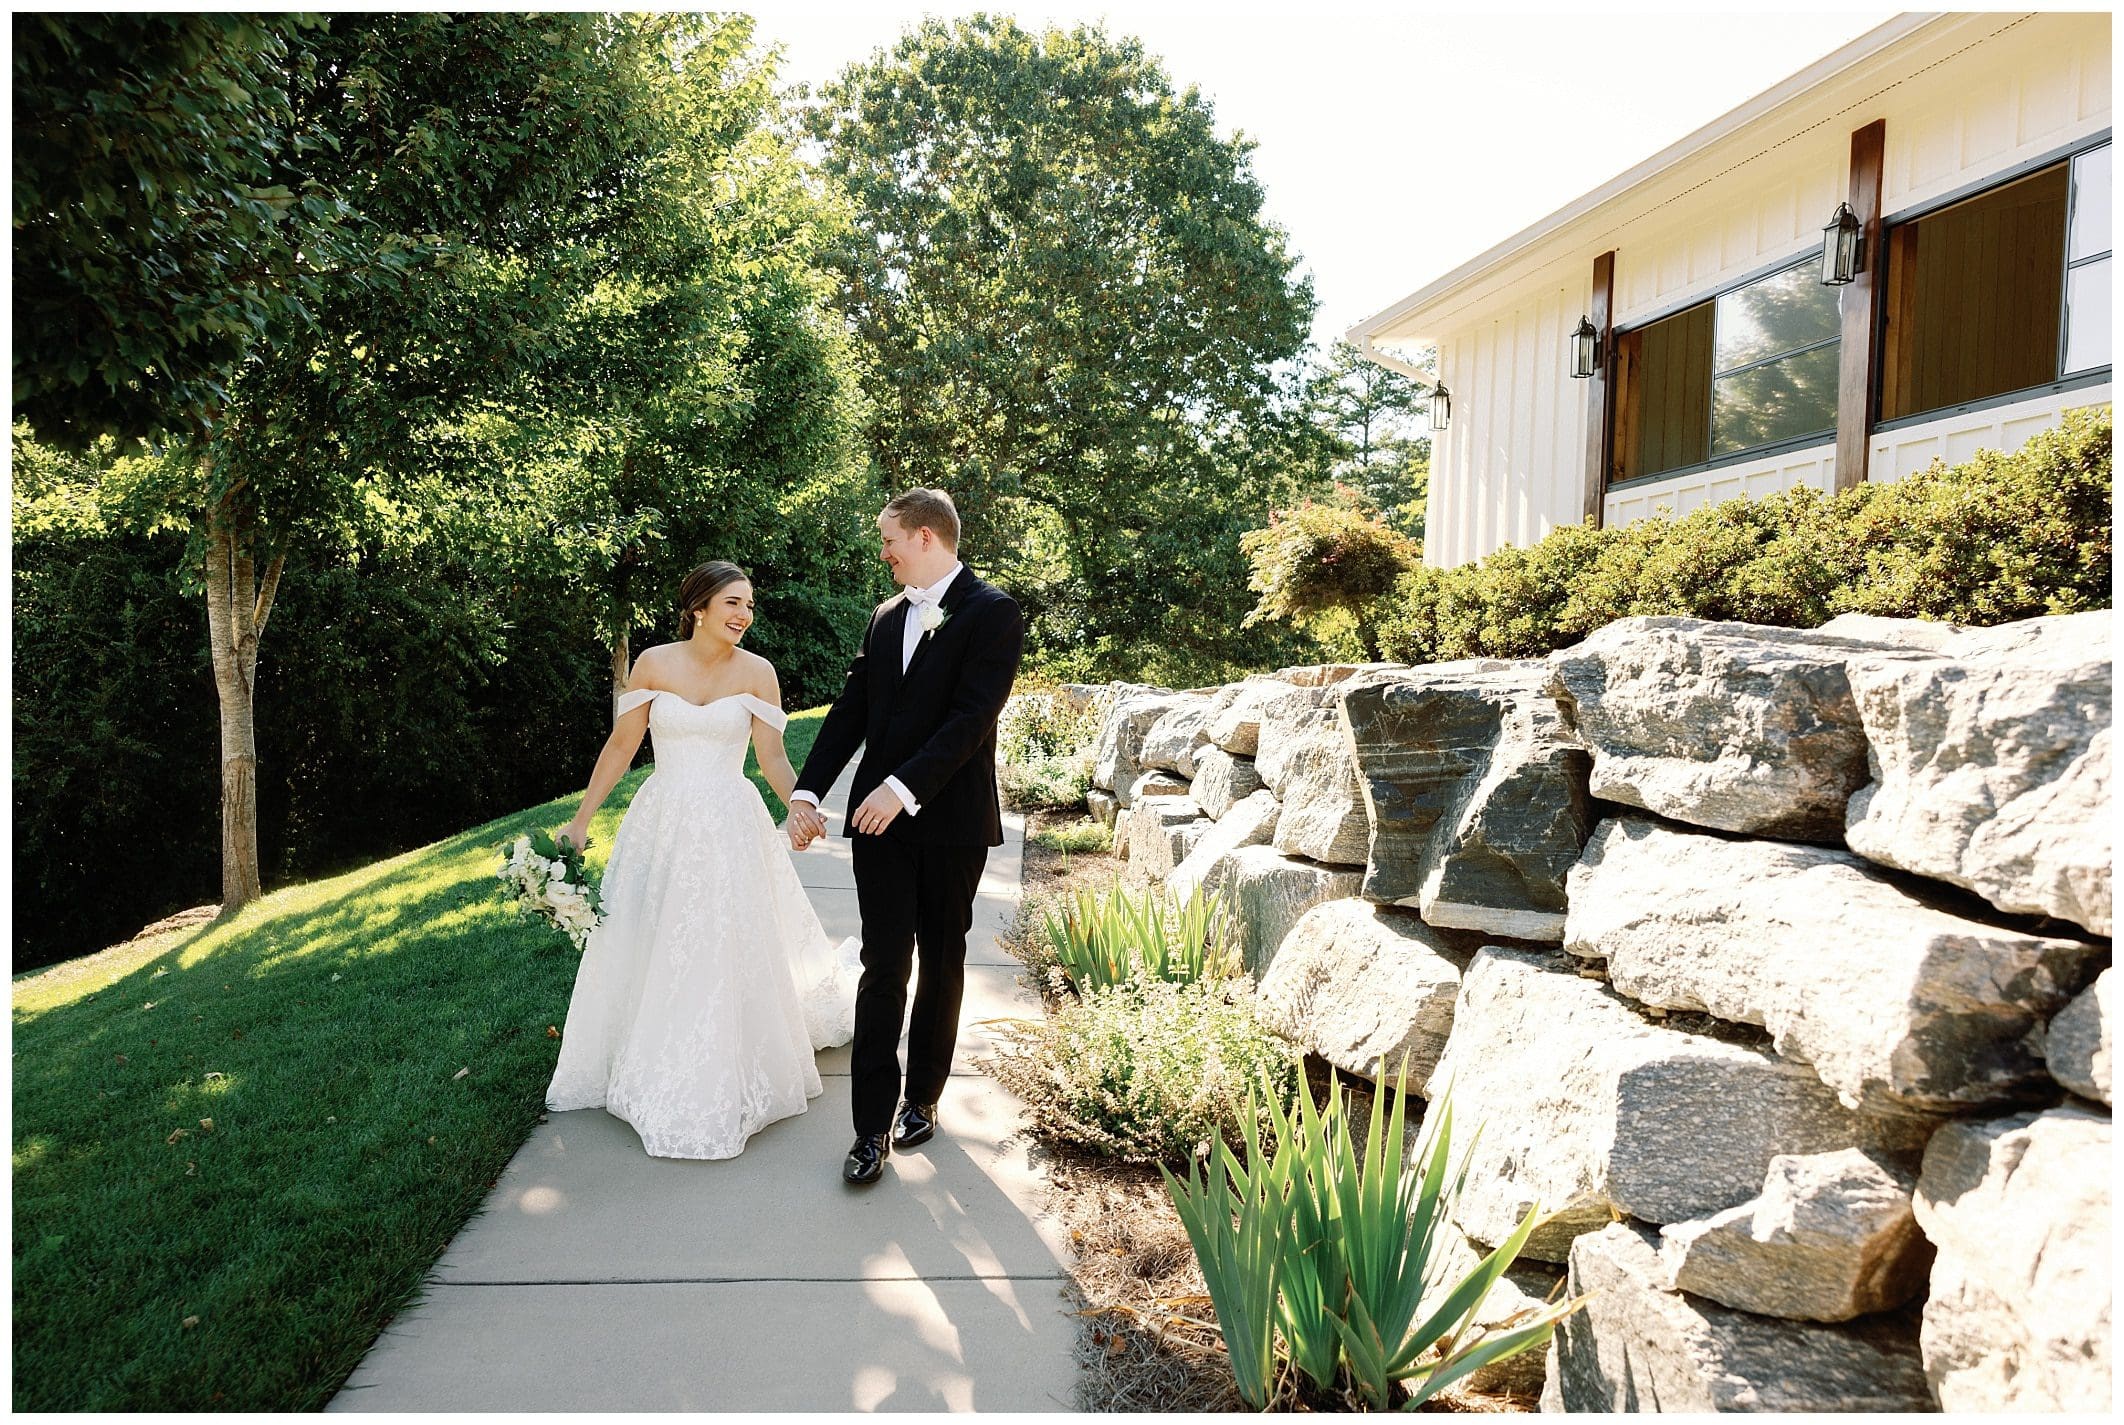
[(933, 727)]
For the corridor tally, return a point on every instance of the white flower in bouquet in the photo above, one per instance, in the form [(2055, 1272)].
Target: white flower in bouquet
[(551, 882)]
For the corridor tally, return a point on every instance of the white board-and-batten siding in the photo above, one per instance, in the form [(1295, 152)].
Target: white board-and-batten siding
[(1987, 95)]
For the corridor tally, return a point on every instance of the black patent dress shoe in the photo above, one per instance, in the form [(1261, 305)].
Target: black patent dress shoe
[(916, 1125), (866, 1160)]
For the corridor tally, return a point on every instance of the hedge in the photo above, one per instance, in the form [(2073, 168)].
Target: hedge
[(1999, 538)]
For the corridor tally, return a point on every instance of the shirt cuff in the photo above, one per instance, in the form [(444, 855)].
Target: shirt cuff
[(899, 789), (810, 799)]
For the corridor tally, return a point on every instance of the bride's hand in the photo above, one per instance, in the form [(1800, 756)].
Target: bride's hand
[(574, 832)]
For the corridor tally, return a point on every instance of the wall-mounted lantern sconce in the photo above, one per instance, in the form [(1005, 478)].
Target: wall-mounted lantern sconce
[(1585, 350), (1843, 247), (1441, 407)]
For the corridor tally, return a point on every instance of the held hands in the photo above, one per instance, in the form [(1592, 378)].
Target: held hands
[(805, 825)]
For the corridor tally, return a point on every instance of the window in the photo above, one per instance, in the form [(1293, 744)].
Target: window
[(1751, 368), (2087, 265), (1999, 293)]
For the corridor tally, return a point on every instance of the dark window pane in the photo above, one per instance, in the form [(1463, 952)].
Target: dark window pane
[(1776, 314), (1974, 297), (1663, 395), (1778, 400)]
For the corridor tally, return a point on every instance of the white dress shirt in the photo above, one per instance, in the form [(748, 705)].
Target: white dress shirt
[(910, 637)]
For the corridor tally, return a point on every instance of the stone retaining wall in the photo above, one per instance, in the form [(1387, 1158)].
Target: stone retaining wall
[(1773, 963)]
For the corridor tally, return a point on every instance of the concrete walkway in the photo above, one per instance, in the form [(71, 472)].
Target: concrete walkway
[(598, 1278)]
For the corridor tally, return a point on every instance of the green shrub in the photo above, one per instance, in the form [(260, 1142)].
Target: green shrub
[(1999, 538), (1323, 565), (1043, 751), (1147, 1071), (1102, 940), (1076, 838)]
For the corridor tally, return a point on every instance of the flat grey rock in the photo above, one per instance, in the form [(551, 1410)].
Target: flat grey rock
[(1357, 983), (1172, 741), (1476, 802), (1591, 1111), (2078, 1045), (1209, 866), (1234, 721), (1832, 1237), (1269, 892), (1117, 756), (1990, 766), (1940, 1013), (2019, 1313), (1222, 780), (1638, 1346), (1732, 726), (1323, 807)]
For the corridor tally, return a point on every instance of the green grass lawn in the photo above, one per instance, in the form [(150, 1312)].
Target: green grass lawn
[(236, 1156)]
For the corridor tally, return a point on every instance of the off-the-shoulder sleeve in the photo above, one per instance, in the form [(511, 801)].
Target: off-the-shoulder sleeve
[(629, 701), (766, 712)]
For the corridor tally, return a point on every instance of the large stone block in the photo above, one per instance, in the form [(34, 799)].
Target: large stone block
[(2078, 1044), (1171, 741), (1734, 726), (2018, 1318), (1591, 1110), (1638, 1346), (1830, 1238), (1270, 891), (1326, 675), (1117, 757), (1104, 806), (1158, 850), (1209, 864), (1222, 780), (1153, 823), (1234, 721), (1900, 1005), (1155, 783), (1990, 766), (1476, 802), (1323, 806), (1356, 983), (1290, 722)]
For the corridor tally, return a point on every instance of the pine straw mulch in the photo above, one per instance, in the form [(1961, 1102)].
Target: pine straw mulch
[(1148, 1339)]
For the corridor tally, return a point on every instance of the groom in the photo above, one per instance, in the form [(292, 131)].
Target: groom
[(921, 699)]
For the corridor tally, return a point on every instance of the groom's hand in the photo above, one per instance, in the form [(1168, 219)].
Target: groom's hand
[(876, 812)]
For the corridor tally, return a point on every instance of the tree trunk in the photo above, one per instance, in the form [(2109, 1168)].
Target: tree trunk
[(238, 603), (620, 664)]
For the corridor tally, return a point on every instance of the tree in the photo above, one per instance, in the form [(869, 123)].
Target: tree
[(1326, 565), (1364, 409), (155, 236), (702, 399), (473, 158), (1071, 307)]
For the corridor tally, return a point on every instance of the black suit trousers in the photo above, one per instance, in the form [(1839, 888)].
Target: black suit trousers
[(913, 898)]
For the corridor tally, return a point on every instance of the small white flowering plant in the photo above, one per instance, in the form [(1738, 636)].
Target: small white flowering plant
[(548, 880)]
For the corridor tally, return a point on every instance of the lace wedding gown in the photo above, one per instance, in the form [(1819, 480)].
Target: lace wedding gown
[(710, 981)]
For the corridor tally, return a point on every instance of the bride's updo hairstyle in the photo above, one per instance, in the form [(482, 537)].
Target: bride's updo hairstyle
[(698, 590)]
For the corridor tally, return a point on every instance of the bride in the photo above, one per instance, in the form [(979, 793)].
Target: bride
[(710, 982)]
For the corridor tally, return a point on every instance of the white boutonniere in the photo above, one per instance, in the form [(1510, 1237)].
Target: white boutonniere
[(932, 617)]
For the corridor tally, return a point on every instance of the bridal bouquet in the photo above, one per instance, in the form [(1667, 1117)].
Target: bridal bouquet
[(550, 881)]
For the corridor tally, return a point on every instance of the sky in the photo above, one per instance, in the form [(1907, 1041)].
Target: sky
[(1397, 142)]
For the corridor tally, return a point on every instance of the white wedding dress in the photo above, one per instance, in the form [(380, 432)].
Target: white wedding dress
[(710, 981)]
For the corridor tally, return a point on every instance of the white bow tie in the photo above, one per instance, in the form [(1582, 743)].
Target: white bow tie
[(918, 597)]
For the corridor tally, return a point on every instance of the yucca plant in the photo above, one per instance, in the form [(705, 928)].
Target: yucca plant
[(1354, 1237), (1100, 941), (1233, 1217)]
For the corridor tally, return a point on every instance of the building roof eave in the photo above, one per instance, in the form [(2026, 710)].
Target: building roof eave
[(1865, 47)]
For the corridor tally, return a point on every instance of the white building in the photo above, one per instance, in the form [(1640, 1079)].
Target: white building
[(1973, 151)]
